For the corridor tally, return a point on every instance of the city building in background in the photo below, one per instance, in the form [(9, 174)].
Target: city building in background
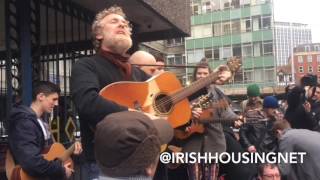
[(306, 59), (288, 35), (221, 29)]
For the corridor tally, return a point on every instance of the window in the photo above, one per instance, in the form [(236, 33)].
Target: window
[(300, 59), (208, 53), (248, 76), (246, 50), (269, 75), (300, 69), (309, 58), (267, 48), (235, 27), (206, 7), (318, 68), (235, 3), (216, 54), (245, 2), (318, 58), (266, 22), (195, 56), (226, 28), (178, 59), (257, 49), (310, 69), (202, 31), (307, 48), (217, 29), (195, 9), (236, 49), (246, 25), (227, 52), (256, 24)]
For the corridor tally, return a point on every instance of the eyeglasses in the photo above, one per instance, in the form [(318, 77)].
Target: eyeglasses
[(272, 176)]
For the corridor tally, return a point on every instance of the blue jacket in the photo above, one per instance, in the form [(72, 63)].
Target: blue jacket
[(26, 142)]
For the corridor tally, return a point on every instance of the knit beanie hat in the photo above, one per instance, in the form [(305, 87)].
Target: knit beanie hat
[(270, 102), (253, 90)]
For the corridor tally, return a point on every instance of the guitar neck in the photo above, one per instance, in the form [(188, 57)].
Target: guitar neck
[(194, 87), (228, 121)]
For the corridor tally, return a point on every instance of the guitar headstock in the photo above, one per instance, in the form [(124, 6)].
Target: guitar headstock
[(204, 101), (234, 64)]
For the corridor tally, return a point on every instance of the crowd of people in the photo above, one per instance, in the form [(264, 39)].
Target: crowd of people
[(120, 142)]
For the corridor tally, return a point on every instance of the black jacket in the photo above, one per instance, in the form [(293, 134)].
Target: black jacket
[(315, 115), (89, 76), (259, 135), (26, 142)]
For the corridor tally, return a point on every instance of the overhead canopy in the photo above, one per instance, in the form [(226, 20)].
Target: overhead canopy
[(152, 20)]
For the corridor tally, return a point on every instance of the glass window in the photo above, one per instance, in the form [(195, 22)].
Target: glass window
[(206, 6), (227, 52), (248, 76), (310, 69), (245, 2), (226, 4), (300, 59), (235, 27), (266, 22), (269, 75), (236, 49), (246, 25), (256, 24), (178, 59), (216, 54), (195, 9), (246, 50), (309, 58), (208, 53), (257, 49), (235, 3), (318, 68), (217, 29), (206, 30), (226, 28), (215, 5), (267, 48)]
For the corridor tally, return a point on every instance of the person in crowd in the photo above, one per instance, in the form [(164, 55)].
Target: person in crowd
[(127, 145), (212, 140), (254, 101), (257, 136), (29, 134), (299, 140), (268, 171), (111, 34), (298, 111), (141, 58)]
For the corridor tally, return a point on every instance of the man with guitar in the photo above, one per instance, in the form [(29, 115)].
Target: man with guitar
[(212, 140), (111, 34), (29, 135)]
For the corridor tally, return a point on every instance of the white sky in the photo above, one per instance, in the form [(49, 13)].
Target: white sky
[(300, 11)]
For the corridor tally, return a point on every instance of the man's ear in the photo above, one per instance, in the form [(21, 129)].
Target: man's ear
[(41, 96)]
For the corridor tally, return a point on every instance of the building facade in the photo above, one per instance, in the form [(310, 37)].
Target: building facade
[(288, 35), (306, 60), (221, 29)]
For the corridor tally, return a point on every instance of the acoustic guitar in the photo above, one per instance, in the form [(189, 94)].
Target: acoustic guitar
[(161, 95), (55, 151), (208, 109)]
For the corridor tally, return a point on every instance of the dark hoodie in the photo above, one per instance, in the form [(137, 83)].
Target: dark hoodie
[(26, 142), (296, 114)]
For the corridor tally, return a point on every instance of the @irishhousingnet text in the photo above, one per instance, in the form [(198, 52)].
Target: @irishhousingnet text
[(224, 157)]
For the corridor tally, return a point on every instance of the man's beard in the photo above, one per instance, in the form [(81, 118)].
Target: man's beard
[(119, 45)]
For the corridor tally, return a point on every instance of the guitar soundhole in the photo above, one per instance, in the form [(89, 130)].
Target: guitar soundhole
[(163, 104)]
